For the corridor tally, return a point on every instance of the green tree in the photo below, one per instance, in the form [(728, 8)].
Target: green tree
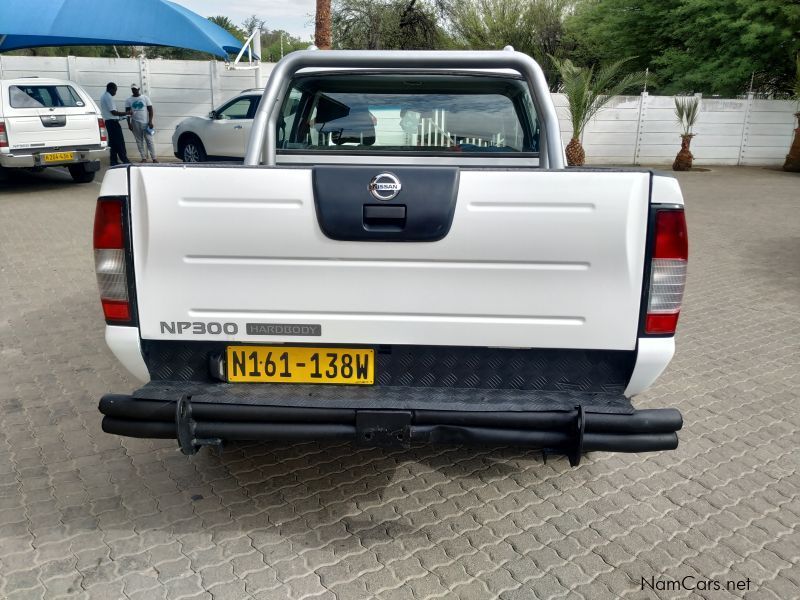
[(386, 25), (588, 90), (250, 24), (535, 27), (278, 43), (709, 46), (687, 110)]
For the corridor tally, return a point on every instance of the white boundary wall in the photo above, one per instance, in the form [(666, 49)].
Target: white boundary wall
[(643, 130), (631, 130), (178, 88)]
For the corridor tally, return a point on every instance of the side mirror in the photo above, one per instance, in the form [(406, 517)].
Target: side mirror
[(212, 115)]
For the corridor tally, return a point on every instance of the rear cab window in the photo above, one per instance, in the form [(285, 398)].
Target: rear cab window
[(379, 113), (43, 96)]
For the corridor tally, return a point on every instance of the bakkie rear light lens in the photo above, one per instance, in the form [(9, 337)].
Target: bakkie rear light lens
[(103, 131), (109, 260), (3, 135), (671, 239), (116, 310), (108, 225), (667, 272), (110, 268)]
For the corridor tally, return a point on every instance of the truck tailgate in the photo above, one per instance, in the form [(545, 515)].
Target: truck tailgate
[(547, 259), (73, 129)]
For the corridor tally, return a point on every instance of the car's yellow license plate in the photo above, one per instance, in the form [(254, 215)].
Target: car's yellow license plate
[(58, 156), (280, 364)]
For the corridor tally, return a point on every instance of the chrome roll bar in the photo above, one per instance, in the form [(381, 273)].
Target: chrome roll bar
[(263, 136)]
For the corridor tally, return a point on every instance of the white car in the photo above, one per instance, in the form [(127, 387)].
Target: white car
[(50, 122), (221, 135)]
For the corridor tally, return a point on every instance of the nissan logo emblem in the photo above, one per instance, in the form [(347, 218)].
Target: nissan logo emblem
[(384, 186)]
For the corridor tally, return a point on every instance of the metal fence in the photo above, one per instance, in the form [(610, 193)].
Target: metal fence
[(631, 130)]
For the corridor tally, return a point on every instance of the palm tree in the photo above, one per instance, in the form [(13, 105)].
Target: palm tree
[(793, 158), (687, 109), (322, 25), (587, 92)]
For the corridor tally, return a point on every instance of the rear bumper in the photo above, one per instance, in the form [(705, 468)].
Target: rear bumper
[(570, 431), (18, 160)]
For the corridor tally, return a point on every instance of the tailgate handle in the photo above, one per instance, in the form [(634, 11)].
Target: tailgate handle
[(53, 120), (379, 217)]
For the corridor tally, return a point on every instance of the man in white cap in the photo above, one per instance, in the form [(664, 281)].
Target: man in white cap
[(140, 110)]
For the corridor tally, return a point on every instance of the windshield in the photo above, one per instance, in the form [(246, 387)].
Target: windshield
[(408, 113)]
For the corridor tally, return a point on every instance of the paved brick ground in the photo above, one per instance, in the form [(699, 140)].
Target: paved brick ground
[(83, 514)]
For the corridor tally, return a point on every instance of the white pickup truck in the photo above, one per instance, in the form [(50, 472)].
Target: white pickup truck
[(50, 123), (403, 258)]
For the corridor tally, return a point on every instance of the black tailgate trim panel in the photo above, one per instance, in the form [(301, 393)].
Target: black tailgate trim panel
[(383, 397), (445, 367), (428, 196)]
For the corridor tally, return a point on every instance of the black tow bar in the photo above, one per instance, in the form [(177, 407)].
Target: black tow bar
[(574, 455), (566, 432), (186, 428)]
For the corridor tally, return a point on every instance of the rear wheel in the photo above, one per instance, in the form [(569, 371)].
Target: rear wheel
[(192, 150), (80, 174)]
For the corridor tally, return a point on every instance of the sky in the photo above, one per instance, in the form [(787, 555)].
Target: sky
[(293, 16)]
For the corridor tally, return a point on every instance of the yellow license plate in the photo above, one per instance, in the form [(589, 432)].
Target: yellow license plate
[(58, 156), (279, 364)]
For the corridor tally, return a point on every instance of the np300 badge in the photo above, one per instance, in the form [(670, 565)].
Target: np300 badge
[(385, 186)]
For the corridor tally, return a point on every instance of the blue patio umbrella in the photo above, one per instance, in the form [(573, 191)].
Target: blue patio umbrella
[(35, 23)]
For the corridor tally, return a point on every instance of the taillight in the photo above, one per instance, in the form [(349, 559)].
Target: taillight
[(109, 260), (103, 132), (667, 272), (3, 135)]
